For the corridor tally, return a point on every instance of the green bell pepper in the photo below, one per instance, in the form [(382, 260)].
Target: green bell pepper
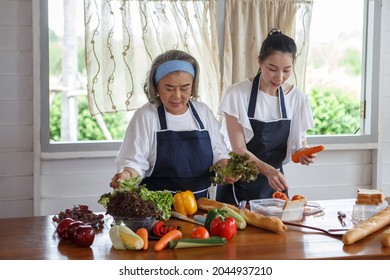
[(211, 215)]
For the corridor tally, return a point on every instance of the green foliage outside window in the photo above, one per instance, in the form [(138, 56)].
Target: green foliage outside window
[(334, 112), (88, 129)]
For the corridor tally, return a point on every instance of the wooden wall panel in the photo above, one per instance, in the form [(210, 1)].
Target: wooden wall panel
[(16, 208), (16, 138), (16, 87), (16, 164), (16, 112), (69, 182), (16, 187), (73, 185), (16, 109), (16, 63), (13, 12), (15, 38)]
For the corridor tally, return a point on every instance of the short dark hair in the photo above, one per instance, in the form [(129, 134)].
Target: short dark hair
[(277, 41)]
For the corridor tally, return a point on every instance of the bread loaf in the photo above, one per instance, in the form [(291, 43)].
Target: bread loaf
[(367, 227), (385, 239), (258, 220), (369, 196), (254, 219), (206, 204)]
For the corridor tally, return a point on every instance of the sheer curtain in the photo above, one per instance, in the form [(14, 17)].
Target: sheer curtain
[(123, 37), (248, 22)]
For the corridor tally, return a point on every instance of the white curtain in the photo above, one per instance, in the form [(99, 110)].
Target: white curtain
[(247, 24), (122, 38)]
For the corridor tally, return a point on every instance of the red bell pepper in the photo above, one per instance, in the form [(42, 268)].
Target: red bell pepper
[(223, 227)]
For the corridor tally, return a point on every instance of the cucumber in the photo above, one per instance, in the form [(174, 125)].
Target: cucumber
[(240, 221), (197, 242)]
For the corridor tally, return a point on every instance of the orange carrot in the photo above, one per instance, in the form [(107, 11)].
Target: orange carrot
[(308, 151), (143, 233), (169, 236)]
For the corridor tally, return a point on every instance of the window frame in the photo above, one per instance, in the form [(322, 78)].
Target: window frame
[(370, 84)]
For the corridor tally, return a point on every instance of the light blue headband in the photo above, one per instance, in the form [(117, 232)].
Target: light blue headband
[(172, 66)]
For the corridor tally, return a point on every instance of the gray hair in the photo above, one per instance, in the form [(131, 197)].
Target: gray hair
[(150, 86)]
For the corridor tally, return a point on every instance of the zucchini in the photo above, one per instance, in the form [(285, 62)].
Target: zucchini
[(240, 221), (197, 242)]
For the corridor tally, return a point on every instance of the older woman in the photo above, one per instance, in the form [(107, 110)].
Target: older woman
[(172, 141)]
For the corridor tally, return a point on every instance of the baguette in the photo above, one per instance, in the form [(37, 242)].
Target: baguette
[(206, 204), (258, 220), (367, 227), (254, 219), (385, 239)]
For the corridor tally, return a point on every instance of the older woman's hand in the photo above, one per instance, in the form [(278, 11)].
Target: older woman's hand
[(124, 174)]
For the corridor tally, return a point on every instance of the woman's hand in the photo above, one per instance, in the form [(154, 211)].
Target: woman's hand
[(227, 179), (231, 180), (276, 179), (307, 160), (125, 174)]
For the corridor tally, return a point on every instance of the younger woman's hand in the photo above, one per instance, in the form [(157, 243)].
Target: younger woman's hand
[(276, 179), (307, 159)]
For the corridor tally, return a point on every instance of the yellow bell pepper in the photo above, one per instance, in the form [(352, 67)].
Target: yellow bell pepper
[(185, 203)]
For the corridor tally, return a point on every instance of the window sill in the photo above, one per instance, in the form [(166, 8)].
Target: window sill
[(58, 155)]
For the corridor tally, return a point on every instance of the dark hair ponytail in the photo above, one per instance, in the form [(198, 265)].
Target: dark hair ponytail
[(277, 41)]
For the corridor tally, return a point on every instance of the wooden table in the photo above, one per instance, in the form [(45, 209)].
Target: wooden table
[(34, 238)]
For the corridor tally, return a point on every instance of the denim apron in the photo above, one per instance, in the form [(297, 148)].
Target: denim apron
[(269, 144), (183, 159)]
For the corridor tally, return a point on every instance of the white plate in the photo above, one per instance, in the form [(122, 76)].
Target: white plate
[(312, 208)]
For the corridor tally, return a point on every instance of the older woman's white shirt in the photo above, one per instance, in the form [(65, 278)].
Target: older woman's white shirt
[(138, 149), (235, 103)]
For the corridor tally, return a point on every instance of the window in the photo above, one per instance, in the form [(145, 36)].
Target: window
[(340, 74), (343, 52), (334, 66)]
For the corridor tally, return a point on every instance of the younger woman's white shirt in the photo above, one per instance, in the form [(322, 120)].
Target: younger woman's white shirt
[(235, 103)]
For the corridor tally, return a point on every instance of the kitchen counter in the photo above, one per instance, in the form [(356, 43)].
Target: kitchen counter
[(34, 238)]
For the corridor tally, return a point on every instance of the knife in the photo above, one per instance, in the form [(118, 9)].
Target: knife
[(179, 216)]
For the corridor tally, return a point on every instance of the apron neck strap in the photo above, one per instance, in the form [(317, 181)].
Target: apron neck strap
[(282, 103), (163, 120), (253, 98)]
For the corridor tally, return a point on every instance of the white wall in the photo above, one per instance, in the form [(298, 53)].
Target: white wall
[(16, 109), (55, 182)]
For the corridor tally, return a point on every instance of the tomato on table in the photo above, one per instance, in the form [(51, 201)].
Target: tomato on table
[(280, 195), (200, 232), (298, 197)]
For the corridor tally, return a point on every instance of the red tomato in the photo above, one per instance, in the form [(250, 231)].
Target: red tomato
[(200, 232), (298, 197), (280, 195)]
